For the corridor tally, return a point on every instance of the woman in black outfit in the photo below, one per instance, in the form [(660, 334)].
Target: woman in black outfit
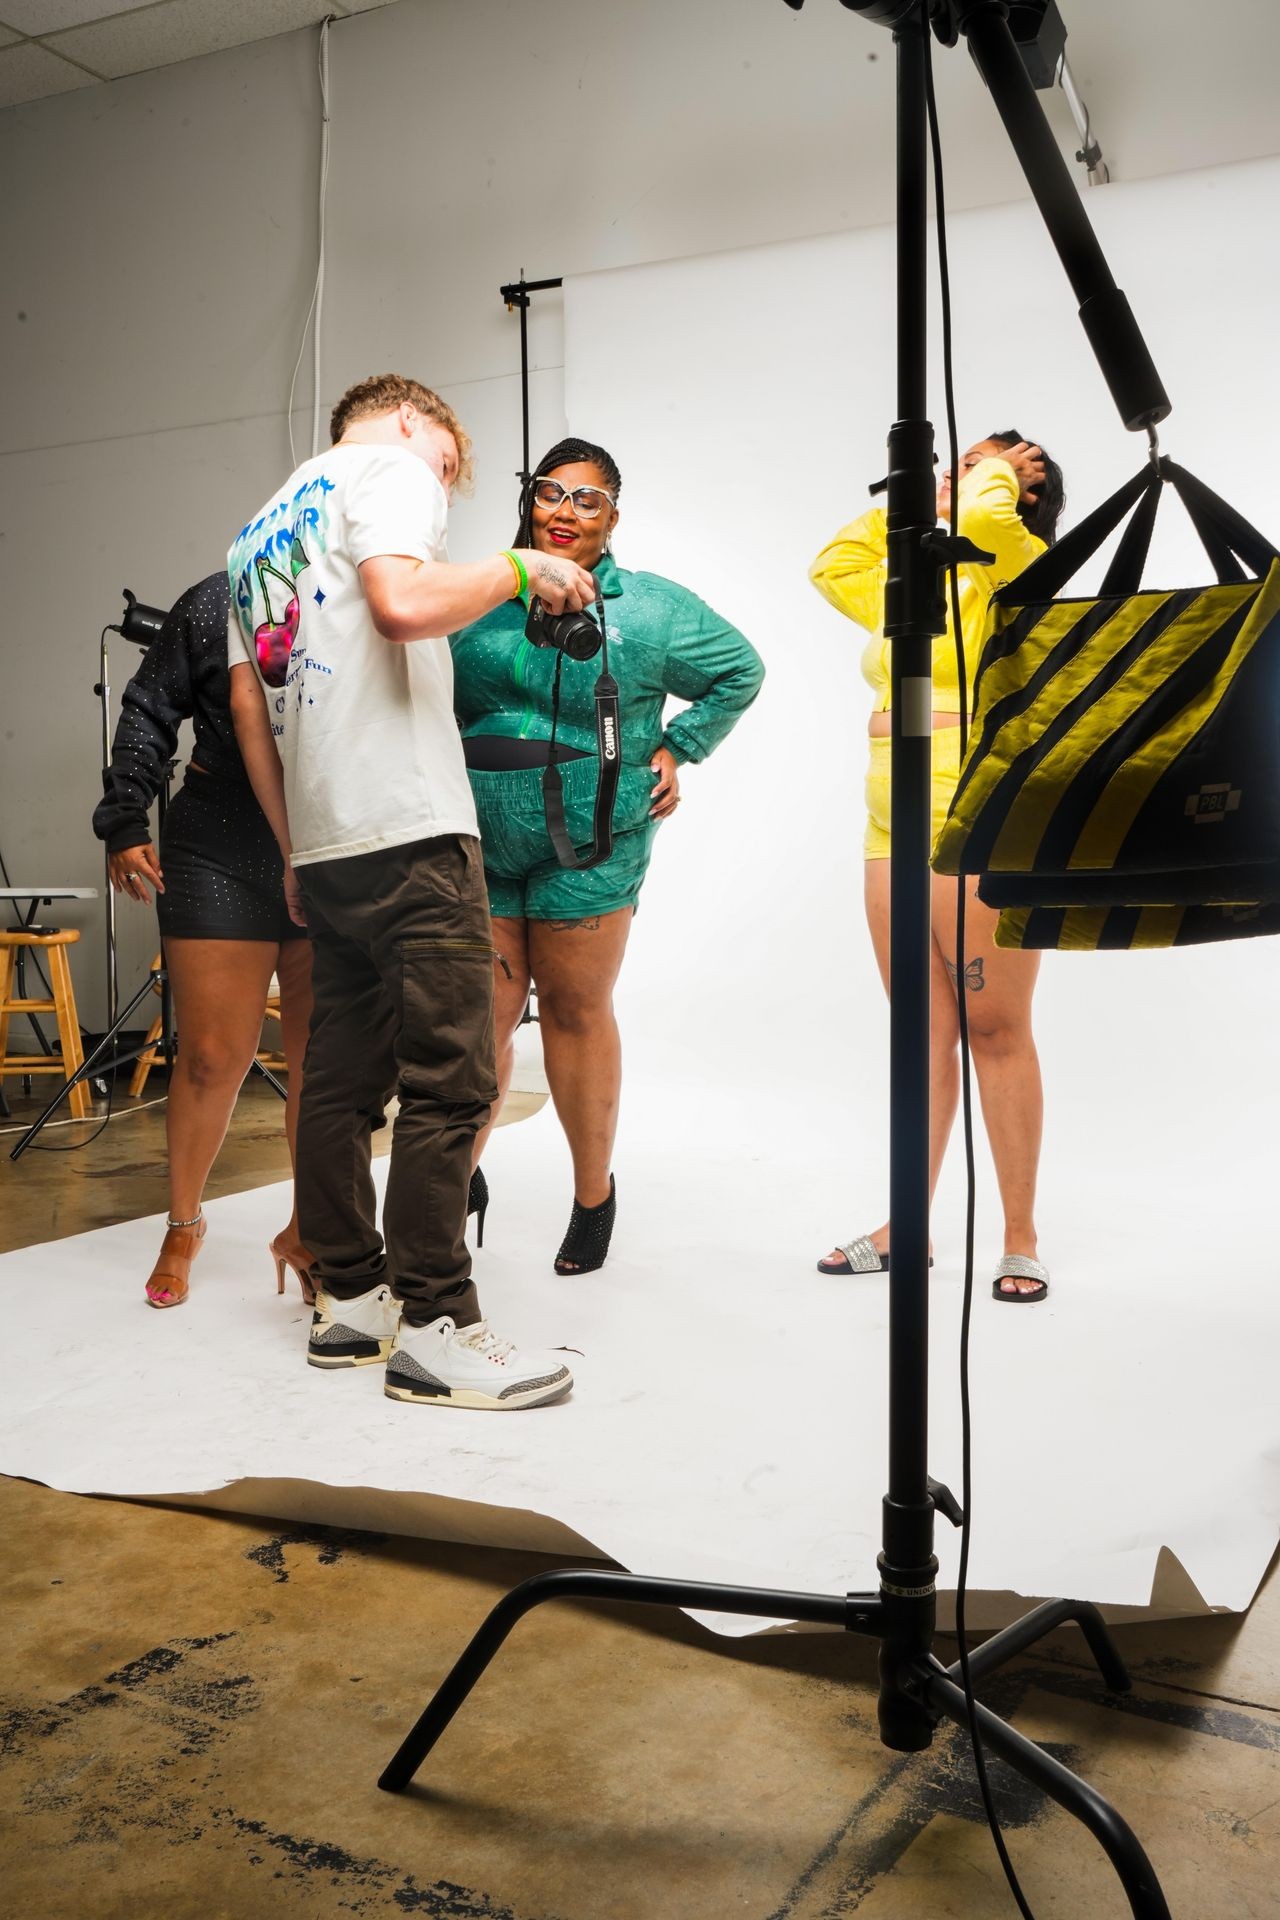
[(221, 907)]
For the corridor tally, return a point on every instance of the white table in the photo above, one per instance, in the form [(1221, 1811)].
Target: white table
[(45, 896)]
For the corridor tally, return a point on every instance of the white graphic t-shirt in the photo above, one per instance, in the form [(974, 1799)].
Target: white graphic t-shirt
[(365, 728)]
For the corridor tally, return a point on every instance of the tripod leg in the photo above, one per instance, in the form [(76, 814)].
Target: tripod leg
[(1083, 1802), (856, 1612), (1003, 1646), (256, 1066), (84, 1070)]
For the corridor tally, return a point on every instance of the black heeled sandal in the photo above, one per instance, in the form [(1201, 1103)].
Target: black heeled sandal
[(478, 1202), (586, 1244)]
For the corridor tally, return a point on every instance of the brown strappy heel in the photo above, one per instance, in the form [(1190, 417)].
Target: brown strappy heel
[(172, 1271), (299, 1262)]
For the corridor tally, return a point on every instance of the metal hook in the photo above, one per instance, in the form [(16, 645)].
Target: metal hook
[(1153, 448)]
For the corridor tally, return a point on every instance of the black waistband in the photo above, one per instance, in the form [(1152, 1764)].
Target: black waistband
[(499, 753), (228, 778)]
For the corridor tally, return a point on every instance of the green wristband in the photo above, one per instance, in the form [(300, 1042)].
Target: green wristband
[(522, 577)]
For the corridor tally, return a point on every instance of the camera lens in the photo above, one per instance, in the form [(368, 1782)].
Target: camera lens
[(574, 633)]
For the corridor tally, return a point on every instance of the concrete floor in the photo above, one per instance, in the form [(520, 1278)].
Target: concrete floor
[(197, 1706)]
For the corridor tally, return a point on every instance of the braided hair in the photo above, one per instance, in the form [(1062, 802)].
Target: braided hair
[(1041, 515), (565, 453)]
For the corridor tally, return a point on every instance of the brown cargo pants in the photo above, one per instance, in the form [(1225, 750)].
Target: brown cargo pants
[(403, 981)]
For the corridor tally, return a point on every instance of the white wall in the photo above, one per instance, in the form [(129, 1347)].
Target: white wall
[(158, 238), (743, 450)]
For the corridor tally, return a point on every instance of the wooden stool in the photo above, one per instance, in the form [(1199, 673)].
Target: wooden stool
[(63, 1005), (147, 1060), (273, 1058)]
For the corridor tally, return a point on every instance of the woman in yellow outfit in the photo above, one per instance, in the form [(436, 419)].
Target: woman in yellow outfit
[(1008, 500)]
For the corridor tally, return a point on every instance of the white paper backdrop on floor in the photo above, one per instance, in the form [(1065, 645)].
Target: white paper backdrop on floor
[(728, 1419)]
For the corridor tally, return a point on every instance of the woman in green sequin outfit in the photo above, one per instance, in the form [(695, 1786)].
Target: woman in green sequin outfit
[(565, 932)]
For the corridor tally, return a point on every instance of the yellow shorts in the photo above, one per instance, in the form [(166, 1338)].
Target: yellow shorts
[(944, 773)]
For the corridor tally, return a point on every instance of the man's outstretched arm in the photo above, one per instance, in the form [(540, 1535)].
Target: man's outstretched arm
[(429, 599)]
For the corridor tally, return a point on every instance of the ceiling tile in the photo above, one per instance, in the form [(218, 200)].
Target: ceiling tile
[(48, 16), (27, 72), (157, 36)]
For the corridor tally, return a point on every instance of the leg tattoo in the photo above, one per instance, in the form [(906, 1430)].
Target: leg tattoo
[(973, 975)]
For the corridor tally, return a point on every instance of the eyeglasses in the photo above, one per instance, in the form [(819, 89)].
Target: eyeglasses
[(586, 502)]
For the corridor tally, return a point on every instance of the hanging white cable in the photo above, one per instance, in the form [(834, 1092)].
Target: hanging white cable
[(315, 309), (324, 188)]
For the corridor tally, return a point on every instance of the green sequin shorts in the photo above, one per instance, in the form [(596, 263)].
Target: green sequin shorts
[(526, 881)]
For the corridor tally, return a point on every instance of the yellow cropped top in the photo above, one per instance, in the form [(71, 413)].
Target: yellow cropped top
[(850, 572)]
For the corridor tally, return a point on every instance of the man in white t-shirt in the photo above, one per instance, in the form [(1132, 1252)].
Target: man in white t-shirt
[(341, 600)]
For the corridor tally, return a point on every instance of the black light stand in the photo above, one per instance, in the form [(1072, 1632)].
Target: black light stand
[(103, 1060), (916, 1689), (142, 625)]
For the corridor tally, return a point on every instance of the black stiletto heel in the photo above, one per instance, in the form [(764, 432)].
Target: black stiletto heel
[(586, 1244), (478, 1202)]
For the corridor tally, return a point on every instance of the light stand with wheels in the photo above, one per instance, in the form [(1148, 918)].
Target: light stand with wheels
[(916, 1689), (142, 625)]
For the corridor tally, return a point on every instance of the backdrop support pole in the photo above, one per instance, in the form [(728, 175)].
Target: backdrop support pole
[(516, 294)]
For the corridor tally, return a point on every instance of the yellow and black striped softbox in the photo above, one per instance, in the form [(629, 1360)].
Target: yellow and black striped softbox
[(1125, 748)]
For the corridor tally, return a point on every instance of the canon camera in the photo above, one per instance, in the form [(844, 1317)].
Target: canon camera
[(576, 634)]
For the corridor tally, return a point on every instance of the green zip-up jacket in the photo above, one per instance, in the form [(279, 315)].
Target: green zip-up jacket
[(663, 641)]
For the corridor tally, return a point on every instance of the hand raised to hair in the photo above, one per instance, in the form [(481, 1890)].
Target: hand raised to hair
[(1027, 462), (561, 585)]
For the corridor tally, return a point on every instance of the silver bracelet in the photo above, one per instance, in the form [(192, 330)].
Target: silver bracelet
[(194, 1221)]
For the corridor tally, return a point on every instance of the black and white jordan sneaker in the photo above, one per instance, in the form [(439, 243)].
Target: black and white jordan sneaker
[(353, 1333), (443, 1365)]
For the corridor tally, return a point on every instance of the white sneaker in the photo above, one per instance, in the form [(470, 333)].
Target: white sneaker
[(442, 1365), (352, 1333)]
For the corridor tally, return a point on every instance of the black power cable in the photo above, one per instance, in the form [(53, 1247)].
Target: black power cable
[(966, 1077)]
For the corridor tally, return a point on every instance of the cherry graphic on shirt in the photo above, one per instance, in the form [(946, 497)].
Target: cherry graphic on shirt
[(273, 640)]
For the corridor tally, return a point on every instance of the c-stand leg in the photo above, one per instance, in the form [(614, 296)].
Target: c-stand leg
[(1135, 1872), (925, 1681)]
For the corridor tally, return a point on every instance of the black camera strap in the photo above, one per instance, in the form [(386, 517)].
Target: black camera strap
[(608, 769)]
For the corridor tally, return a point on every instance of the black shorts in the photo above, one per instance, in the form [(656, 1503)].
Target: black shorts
[(223, 875)]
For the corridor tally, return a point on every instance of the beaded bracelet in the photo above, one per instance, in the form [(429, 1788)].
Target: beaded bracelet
[(518, 568)]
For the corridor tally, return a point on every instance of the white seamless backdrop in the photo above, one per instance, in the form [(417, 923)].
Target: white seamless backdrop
[(728, 1417), (746, 396)]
